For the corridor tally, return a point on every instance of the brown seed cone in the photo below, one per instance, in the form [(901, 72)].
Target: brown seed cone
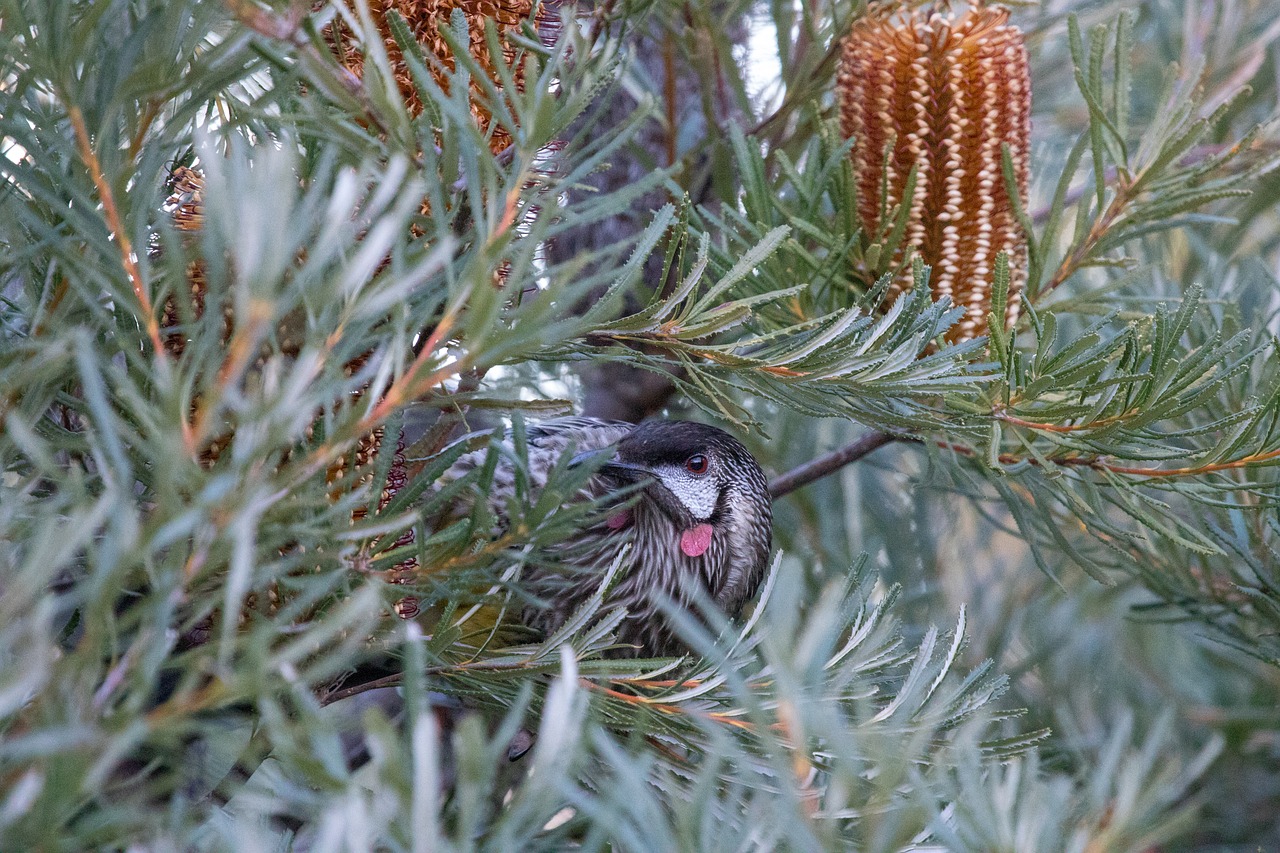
[(186, 207), (942, 94), (425, 19)]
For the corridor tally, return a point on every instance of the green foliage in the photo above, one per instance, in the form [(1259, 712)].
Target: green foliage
[(1156, 181), (199, 561)]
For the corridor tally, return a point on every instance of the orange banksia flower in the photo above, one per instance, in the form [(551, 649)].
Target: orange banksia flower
[(425, 19), (941, 94)]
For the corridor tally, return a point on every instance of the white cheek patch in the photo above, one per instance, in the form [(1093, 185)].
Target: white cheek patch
[(698, 494)]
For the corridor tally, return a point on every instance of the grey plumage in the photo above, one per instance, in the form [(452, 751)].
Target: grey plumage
[(701, 518)]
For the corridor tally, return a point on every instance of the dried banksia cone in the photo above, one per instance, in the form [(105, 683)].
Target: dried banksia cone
[(425, 19), (186, 206), (941, 94), (186, 198)]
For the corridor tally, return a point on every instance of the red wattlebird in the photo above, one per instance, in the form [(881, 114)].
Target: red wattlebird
[(701, 519)]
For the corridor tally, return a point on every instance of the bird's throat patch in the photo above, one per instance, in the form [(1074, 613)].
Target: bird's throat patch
[(696, 541)]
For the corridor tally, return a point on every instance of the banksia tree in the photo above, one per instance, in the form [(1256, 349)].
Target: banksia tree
[(230, 395), (935, 103)]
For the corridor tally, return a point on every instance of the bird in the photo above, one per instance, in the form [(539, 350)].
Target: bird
[(688, 512)]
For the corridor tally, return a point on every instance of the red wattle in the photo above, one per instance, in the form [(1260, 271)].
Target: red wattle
[(696, 541)]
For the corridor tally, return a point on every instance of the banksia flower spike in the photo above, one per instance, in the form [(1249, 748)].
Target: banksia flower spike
[(426, 19), (941, 95)]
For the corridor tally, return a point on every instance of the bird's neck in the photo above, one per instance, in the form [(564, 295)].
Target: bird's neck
[(661, 563)]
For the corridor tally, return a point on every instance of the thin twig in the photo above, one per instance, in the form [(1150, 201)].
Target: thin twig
[(275, 25), (149, 114), (410, 386), (1099, 463), (824, 465), (239, 354), (1127, 192), (60, 291), (329, 697), (1083, 251), (1073, 197), (668, 708)]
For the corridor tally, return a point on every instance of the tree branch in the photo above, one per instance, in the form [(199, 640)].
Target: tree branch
[(822, 466)]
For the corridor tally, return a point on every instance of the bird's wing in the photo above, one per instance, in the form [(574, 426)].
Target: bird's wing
[(584, 433), (573, 424), (547, 441), (587, 433)]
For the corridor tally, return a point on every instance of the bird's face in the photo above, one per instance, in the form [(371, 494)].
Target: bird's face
[(677, 474), (693, 470), (703, 518), (695, 483)]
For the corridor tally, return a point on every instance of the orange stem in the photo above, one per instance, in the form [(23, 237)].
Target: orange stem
[(666, 707), (407, 388), (127, 257), (1243, 462), (1097, 231), (1047, 427), (1099, 464)]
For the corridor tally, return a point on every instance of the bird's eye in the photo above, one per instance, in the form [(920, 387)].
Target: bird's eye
[(696, 464)]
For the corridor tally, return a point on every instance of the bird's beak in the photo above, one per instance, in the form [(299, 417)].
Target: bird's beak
[(630, 474), (622, 470)]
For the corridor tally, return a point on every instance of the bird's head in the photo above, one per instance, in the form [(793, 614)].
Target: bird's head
[(699, 476)]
